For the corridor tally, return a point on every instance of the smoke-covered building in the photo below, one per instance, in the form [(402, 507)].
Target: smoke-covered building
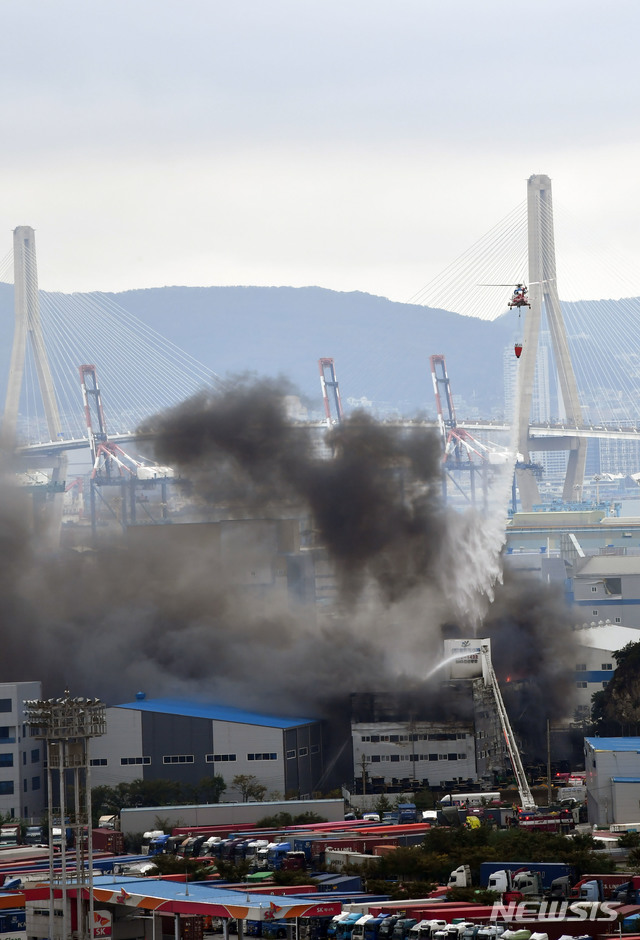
[(257, 556), (185, 742), (22, 781), (404, 742)]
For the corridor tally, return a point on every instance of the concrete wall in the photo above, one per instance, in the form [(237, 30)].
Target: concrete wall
[(221, 814)]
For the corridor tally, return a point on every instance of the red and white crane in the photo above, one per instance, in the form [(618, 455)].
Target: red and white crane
[(329, 381), (107, 457), (459, 443)]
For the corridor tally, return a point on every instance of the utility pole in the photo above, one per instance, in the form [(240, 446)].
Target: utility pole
[(548, 762), (363, 764)]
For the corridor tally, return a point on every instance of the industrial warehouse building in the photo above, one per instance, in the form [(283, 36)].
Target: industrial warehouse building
[(612, 768), (169, 739)]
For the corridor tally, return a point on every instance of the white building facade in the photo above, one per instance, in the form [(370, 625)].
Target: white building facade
[(612, 767), (22, 757)]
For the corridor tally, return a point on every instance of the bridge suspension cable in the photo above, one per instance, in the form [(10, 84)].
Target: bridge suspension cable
[(602, 334), (141, 371), (497, 259)]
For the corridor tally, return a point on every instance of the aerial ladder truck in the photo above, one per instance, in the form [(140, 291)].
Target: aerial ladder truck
[(526, 798)]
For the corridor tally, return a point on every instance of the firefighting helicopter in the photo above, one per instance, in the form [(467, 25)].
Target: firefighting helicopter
[(518, 300)]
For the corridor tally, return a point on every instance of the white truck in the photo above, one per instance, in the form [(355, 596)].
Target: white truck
[(526, 883), (460, 877), (425, 929)]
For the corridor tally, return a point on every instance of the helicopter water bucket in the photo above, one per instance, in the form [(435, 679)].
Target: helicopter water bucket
[(518, 350)]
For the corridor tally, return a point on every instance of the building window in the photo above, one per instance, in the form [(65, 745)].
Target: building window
[(605, 683), (395, 758), (6, 760), (607, 665), (176, 759), (35, 783), (6, 787), (303, 751), (98, 762), (265, 756), (581, 685), (35, 755), (315, 748), (211, 758), (139, 760), (375, 758), (290, 755), (5, 704), (594, 613), (375, 738), (581, 667), (462, 756), (594, 589), (452, 756), (618, 620)]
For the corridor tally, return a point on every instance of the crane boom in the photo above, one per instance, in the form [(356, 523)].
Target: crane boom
[(526, 798)]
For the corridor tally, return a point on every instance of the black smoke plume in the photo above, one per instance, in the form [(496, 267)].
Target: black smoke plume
[(375, 505), (165, 616)]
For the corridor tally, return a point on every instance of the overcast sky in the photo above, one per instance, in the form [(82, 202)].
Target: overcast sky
[(350, 144)]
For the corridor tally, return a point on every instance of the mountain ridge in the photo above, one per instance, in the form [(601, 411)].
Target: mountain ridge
[(381, 347)]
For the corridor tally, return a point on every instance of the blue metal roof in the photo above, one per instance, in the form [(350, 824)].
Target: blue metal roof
[(196, 890), (614, 744), (194, 709), (165, 896)]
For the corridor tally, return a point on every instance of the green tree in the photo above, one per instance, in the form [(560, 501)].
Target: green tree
[(210, 789), (383, 805), (250, 787), (616, 709), (629, 840), (194, 869), (633, 859)]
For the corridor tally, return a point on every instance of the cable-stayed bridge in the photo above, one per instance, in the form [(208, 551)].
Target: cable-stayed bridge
[(593, 375)]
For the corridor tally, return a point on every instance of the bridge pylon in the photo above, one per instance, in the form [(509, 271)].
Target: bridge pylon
[(28, 328), (28, 331), (543, 289)]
